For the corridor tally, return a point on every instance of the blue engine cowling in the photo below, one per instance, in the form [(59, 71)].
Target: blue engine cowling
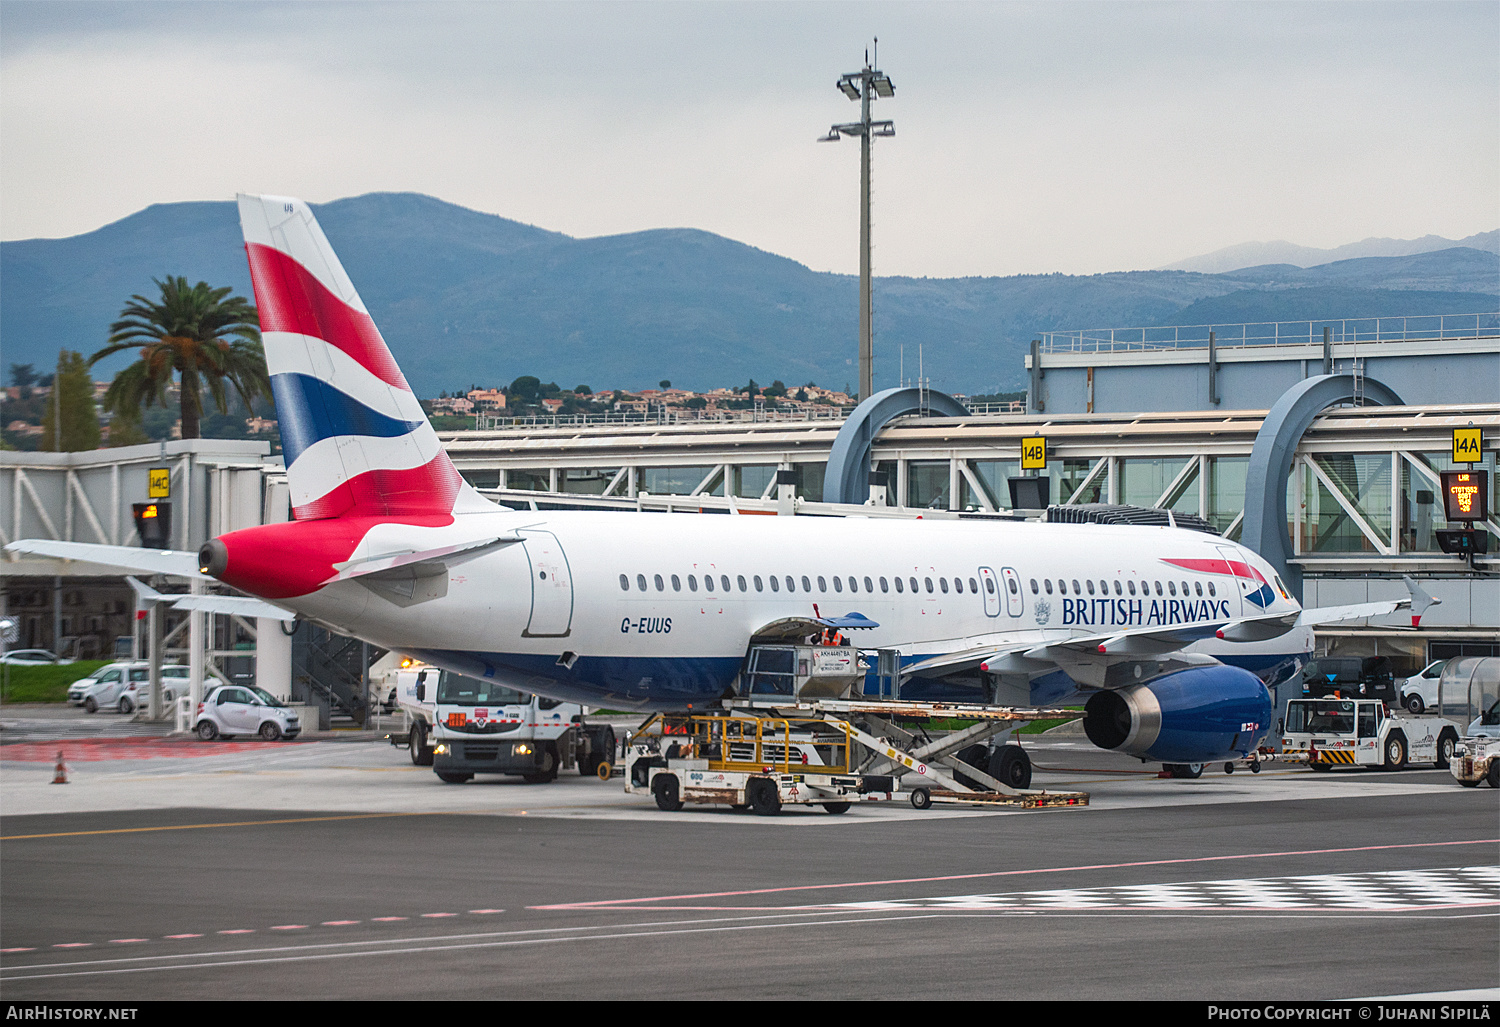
[(1197, 715)]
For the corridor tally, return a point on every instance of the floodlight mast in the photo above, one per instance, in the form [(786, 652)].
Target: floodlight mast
[(865, 86)]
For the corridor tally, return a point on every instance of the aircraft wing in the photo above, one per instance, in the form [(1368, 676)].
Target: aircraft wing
[(126, 558), (1418, 602)]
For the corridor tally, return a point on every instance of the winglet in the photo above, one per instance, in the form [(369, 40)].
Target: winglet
[(1420, 600)]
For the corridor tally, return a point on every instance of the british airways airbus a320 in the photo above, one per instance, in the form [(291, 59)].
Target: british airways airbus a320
[(1168, 633)]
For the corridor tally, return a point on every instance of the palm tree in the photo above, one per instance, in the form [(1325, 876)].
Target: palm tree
[(195, 333)]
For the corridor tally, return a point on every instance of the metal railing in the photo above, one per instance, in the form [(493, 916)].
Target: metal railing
[(667, 416), (1271, 334)]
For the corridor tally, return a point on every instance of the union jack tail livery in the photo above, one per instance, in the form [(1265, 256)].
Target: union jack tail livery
[(355, 438)]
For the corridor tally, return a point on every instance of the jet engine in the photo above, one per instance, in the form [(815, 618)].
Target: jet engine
[(1198, 715)]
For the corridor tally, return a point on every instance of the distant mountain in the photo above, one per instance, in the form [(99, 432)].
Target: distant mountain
[(1251, 254), (469, 298)]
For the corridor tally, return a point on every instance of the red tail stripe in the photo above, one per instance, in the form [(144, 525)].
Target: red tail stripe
[(290, 299), (428, 490), (258, 560)]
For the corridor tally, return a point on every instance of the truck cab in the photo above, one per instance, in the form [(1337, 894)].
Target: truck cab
[(1336, 731), (483, 727)]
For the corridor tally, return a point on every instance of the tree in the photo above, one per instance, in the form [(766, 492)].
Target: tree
[(526, 388), (204, 336), (71, 405), (665, 383), (22, 376)]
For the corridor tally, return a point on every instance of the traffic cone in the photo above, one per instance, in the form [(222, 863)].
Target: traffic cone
[(60, 772)]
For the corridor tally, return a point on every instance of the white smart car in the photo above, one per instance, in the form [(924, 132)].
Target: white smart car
[(231, 710), (126, 687)]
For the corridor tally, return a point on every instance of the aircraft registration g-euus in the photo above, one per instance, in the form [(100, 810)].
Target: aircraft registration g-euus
[(1169, 635)]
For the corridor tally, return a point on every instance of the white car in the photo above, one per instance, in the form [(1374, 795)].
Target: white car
[(1420, 691), (31, 658), (231, 710), (125, 687)]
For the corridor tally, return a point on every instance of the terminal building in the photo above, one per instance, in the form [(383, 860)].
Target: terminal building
[(1355, 419)]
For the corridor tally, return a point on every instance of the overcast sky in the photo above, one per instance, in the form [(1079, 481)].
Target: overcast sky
[(1031, 137)]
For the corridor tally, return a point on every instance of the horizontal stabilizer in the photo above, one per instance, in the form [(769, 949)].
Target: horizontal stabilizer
[(1355, 611), (446, 555), (238, 606), (124, 558)]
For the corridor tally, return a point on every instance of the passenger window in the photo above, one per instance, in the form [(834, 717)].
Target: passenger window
[(624, 583), (1131, 585), (724, 581), (806, 585), (791, 584), (640, 581), (741, 579), (1033, 586), (928, 582), (1172, 587), (1104, 588), (1048, 583), (676, 583), (822, 584), (1015, 589), (759, 585), (885, 586), (1211, 588), (775, 585), (944, 583), (1158, 588), (661, 586), (1184, 588), (869, 585), (913, 583), (1118, 589), (692, 583), (989, 585), (973, 585), (853, 584), (1198, 587), (1076, 590), (1091, 586), (900, 587), (838, 583)]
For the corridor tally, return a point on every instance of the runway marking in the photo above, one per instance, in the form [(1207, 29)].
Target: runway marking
[(550, 936), (1389, 891), (234, 823), (627, 903)]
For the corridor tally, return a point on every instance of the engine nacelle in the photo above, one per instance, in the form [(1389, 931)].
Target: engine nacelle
[(1198, 715)]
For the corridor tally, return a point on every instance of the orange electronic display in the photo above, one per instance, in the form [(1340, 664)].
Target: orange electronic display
[(1466, 495)]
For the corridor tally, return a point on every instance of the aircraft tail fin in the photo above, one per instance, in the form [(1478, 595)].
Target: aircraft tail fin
[(355, 438)]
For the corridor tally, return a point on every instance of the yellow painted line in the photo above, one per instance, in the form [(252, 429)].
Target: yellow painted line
[(238, 823)]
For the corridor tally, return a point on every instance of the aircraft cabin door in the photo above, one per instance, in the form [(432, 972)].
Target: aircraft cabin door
[(1014, 604), (991, 592), (1235, 589), (551, 586)]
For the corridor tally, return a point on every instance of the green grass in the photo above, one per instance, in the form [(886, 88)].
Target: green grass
[(46, 683)]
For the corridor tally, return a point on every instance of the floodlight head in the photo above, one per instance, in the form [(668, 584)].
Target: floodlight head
[(832, 136), (848, 89), (883, 85)]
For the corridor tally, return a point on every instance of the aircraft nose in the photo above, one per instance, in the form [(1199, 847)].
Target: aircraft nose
[(213, 558)]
